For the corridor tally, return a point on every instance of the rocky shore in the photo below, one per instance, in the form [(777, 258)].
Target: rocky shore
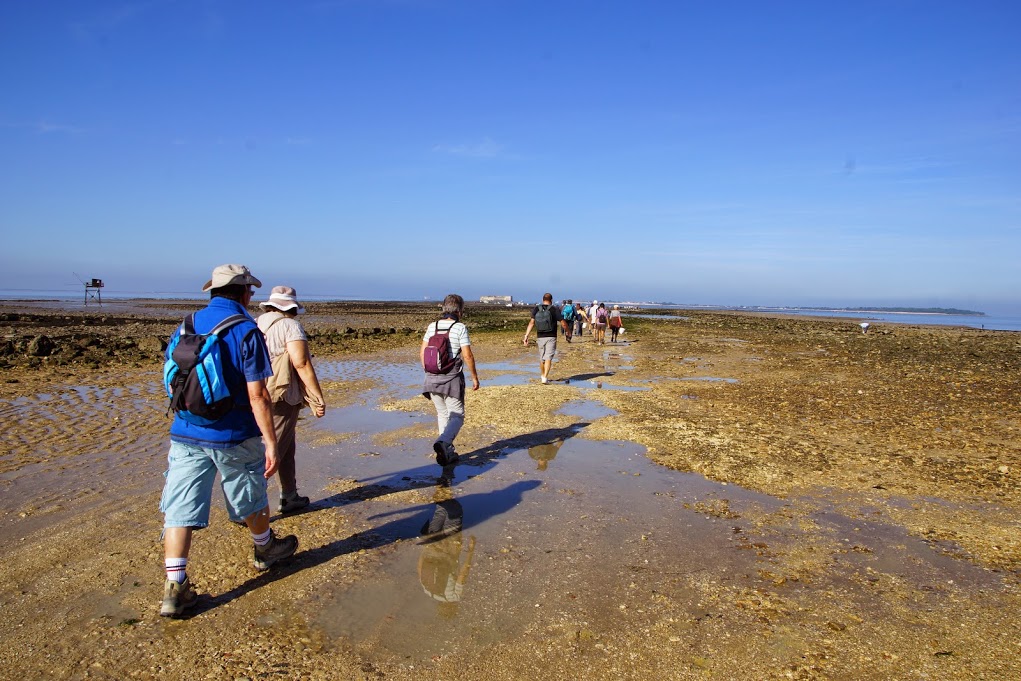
[(862, 518)]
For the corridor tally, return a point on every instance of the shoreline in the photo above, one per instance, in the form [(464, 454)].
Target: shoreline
[(800, 515), (976, 321)]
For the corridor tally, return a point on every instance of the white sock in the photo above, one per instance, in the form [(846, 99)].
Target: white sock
[(262, 539), (175, 569)]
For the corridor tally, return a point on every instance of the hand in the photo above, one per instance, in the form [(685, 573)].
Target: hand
[(319, 410), (272, 462), (525, 342), (475, 382)]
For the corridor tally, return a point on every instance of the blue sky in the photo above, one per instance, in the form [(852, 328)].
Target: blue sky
[(759, 153)]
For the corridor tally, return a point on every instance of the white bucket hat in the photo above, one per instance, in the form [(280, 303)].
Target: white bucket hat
[(225, 275), (284, 298)]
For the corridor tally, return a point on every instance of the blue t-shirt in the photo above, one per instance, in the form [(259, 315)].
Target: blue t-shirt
[(249, 361)]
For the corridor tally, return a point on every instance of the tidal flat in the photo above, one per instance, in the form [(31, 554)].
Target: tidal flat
[(720, 495)]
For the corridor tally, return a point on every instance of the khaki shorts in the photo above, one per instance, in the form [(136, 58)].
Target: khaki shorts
[(547, 348)]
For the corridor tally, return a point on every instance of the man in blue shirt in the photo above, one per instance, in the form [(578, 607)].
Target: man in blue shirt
[(241, 446)]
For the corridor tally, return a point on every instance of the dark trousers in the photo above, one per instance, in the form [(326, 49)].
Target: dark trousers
[(285, 419)]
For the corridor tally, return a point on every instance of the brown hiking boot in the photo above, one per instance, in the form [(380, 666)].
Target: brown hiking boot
[(177, 598), (276, 550)]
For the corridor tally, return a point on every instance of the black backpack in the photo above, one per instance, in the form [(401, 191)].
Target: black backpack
[(544, 319), (193, 376)]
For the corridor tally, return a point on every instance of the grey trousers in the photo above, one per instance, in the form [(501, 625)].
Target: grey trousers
[(449, 416)]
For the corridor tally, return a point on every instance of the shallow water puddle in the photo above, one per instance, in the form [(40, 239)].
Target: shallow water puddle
[(399, 379), (554, 527), (616, 361), (592, 384), (586, 409), (550, 529), (507, 373), (402, 378), (364, 420)]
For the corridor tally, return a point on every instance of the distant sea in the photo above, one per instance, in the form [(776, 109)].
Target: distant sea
[(991, 322), (63, 295)]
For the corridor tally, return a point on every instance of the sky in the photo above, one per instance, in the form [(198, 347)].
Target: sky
[(719, 153)]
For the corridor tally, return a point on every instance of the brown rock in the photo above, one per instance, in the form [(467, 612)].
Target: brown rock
[(40, 346)]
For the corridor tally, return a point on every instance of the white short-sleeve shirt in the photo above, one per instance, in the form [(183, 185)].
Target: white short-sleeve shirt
[(280, 333), (458, 334)]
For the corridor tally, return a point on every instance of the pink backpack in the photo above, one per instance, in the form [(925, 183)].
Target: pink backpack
[(439, 359)]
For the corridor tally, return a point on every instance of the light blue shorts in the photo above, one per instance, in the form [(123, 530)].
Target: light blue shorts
[(191, 471)]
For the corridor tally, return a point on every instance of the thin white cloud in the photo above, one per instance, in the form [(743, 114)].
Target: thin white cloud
[(905, 167), (487, 148), (45, 127)]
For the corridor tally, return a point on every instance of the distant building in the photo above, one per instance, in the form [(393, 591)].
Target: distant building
[(496, 300)]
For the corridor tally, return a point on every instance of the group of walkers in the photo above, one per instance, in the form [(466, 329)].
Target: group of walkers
[(571, 318), (576, 317), (237, 386), (255, 376)]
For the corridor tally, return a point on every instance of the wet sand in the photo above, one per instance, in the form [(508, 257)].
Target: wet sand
[(720, 496)]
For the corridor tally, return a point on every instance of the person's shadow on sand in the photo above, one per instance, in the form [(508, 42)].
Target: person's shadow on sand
[(481, 506), (478, 461), (585, 377), (474, 510), (489, 505), (487, 456)]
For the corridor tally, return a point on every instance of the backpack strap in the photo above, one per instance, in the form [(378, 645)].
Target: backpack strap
[(453, 322), (227, 323), (273, 323), (188, 327)]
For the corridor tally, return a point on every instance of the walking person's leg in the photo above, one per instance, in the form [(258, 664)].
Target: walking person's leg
[(449, 419), (185, 503), (285, 421), (547, 349), (455, 420), (242, 477), (442, 415)]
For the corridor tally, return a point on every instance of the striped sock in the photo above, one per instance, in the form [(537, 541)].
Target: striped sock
[(262, 539), (175, 569)]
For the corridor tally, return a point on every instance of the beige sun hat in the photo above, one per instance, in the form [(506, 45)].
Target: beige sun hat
[(225, 275), (284, 298)]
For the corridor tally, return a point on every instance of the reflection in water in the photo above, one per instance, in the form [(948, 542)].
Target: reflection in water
[(440, 567), (545, 453)]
